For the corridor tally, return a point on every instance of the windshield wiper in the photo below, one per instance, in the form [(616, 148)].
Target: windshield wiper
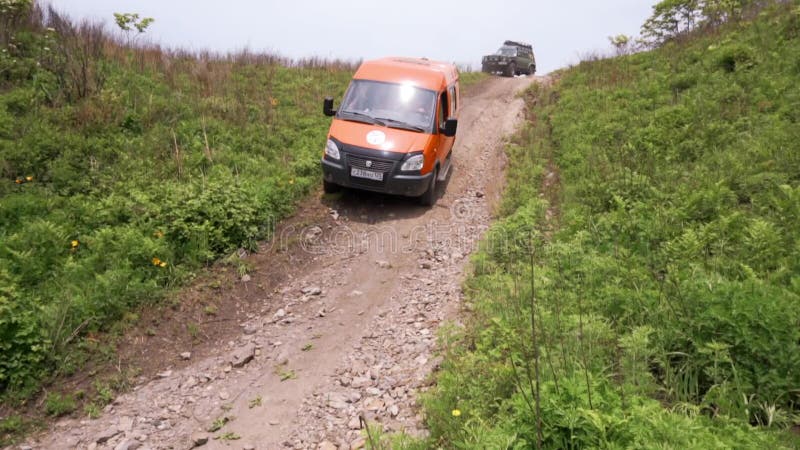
[(370, 119), (393, 123)]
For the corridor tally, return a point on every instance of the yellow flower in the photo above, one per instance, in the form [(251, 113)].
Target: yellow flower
[(273, 101), (75, 243), (156, 261), (162, 264), (18, 181), (29, 178), (456, 412), (291, 181), (158, 234)]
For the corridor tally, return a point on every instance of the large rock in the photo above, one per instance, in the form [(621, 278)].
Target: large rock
[(361, 382), (128, 444), (373, 404), (107, 434), (189, 383), (354, 423), (243, 355), (125, 423), (312, 290), (199, 438), (327, 445), (337, 400)]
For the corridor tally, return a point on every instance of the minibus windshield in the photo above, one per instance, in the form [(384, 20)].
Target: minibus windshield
[(391, 104)]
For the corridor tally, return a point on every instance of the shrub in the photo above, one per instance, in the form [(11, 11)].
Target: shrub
[(22, 342), (733, 57)]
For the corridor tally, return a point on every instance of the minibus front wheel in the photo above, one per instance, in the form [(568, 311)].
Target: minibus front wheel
[(330, 188), (429, 197)]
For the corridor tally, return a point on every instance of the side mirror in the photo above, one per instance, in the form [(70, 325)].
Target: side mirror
[(450, 126), (327, 107)]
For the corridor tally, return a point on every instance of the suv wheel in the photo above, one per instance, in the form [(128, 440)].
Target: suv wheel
[(512, 69), (531, 69)]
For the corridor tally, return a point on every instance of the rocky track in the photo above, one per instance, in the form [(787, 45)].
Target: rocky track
[(349, 334)]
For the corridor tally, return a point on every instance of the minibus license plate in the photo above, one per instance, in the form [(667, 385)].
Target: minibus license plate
[(368, 174)]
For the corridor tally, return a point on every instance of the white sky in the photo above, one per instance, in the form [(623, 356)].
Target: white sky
[(449, 30)]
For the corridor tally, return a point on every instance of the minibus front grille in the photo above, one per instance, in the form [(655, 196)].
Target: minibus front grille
[(365, 183), (377, 165)]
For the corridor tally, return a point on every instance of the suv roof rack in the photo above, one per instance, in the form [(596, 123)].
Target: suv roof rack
[(518, 44)]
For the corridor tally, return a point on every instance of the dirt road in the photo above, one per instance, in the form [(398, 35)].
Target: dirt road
[(349, 331)]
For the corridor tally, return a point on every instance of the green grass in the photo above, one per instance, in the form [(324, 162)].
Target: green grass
[(254, 402), (229, 436), (121, 184), (59, 404), (468, 79), (287, 375), (218, 423), (659, 306)]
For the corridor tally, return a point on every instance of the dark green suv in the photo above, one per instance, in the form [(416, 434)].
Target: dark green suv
[(513, 58)]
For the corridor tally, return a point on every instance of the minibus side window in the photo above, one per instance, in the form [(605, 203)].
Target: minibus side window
[(443, 113)]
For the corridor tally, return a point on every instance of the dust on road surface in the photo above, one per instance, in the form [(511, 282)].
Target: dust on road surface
[(351, 333)]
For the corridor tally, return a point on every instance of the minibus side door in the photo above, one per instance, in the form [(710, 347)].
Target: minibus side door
[(445, 143)]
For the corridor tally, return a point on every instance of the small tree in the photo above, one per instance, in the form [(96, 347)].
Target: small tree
[(11, 12), (127, 22), (717, 12), (622, 44), (10, 8), (670, 19)]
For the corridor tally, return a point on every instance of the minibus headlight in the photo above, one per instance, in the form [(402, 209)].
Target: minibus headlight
[(414, 163), (332, 150)]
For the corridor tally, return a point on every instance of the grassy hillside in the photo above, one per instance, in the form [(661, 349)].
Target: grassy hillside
[(643, 286), (125, 169)]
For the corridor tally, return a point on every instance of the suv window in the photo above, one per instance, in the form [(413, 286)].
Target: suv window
[(507, 51)]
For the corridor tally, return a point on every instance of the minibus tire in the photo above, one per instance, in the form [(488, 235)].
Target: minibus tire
[(330, 188), (429, 197)]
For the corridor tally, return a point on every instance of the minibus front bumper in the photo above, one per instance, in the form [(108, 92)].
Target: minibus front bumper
[(350, 170)]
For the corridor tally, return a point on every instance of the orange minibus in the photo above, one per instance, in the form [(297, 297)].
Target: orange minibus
[(394, 129)]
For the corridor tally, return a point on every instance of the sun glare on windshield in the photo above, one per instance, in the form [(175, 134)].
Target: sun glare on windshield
[(406, 92)]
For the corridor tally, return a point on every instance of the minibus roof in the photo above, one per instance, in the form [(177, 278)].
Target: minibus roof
[(421, 72)]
